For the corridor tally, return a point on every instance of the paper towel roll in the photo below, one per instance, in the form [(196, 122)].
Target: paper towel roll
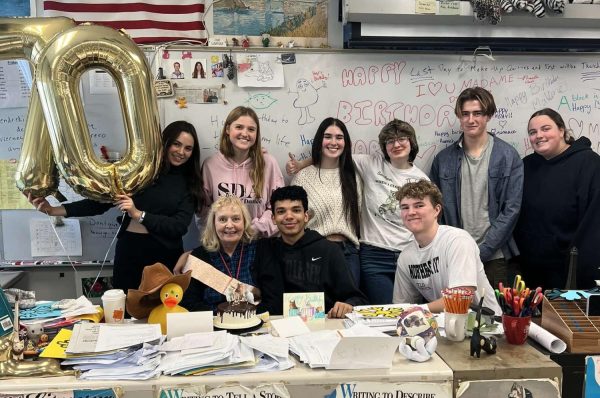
[(546, 339)]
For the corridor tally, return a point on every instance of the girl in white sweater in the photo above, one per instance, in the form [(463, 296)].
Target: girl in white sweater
[(333, 189)]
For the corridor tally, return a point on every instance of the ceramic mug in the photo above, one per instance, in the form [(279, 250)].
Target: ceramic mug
[(455, 326)]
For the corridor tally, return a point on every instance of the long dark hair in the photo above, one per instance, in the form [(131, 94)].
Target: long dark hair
[(192, 168), (345, 167), (195, 72)]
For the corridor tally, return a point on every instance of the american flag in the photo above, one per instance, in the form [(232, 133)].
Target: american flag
[(146, 21)]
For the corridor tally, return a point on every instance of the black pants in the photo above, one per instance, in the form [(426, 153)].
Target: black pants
[(135, 251)]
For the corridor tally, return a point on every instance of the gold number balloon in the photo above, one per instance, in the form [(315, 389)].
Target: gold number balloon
[(60, 53)]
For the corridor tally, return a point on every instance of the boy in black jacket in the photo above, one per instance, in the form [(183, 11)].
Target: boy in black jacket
[(301, 260)]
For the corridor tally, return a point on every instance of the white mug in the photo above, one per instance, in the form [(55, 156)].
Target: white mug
[(455, 326)]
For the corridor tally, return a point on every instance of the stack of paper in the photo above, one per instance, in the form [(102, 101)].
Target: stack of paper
[(119, 352), (128, 364), (223, 353), (359, 347), (315, 348)]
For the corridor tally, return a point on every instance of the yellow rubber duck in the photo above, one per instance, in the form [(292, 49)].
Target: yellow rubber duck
[(170, 295)]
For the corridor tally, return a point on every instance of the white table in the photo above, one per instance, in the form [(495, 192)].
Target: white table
[(301, 381)]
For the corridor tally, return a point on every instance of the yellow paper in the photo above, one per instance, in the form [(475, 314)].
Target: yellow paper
[(58, 345), (96, 318), (10, 196), (425, 6)]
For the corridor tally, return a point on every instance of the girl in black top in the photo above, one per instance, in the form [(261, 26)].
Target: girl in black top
[(156, 218)]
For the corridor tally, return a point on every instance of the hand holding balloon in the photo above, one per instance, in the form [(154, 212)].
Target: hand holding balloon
[(125, 203), (42, 205)]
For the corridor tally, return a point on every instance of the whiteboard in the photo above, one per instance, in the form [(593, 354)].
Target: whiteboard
[(364, 89), (367, 90)]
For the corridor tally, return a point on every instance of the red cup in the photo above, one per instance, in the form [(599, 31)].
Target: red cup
[(516, 328)]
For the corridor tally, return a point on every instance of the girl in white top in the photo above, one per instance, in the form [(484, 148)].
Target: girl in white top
[(383, 235), (241, 169), (333, 189)]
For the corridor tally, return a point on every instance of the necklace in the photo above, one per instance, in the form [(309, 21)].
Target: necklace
[(237, 274)]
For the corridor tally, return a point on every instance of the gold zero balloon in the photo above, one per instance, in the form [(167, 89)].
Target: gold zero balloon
[(60, 53)]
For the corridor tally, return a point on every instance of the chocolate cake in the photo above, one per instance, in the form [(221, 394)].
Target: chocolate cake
[(236, 315)]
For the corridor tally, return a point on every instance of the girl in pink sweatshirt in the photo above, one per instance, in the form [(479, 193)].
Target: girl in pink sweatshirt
[(241, 169)]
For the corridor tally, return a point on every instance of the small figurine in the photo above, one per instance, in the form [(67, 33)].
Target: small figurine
[(417, 327), (266, 38), (291, 44), (235, 41), (34, 331), (181, 102), (170, 295), (43, 341), (245, 42), (479, 342)]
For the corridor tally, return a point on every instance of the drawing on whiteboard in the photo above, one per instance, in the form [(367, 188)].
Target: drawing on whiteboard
[(260, 101), (307, 96)]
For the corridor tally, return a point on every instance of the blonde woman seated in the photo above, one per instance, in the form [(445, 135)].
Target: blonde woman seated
[(228, 245)]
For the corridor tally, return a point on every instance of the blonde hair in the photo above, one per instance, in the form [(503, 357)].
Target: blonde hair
[(210, 240), (257, 175)]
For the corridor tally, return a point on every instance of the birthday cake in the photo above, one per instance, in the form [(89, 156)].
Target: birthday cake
[(236, 315)]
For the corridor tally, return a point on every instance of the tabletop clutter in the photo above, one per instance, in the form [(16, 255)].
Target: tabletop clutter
[(70, 333)]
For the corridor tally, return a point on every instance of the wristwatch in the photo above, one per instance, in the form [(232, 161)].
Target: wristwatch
[(141, 220)]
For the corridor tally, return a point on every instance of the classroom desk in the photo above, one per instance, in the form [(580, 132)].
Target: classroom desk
[(509, 362), (301, 381)]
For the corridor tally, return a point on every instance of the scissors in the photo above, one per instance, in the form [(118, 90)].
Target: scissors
[(519, 285), (517, 306)]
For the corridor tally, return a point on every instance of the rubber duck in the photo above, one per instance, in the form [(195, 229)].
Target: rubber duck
[(170, 295)]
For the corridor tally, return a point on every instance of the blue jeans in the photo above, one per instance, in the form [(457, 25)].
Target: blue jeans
[(352, 260), (377, 272)]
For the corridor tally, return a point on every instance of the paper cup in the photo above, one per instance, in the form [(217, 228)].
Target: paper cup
[(455, 326), (113, 302)]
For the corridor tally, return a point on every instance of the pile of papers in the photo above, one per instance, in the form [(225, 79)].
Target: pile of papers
[(107, 351), (223, 353), (359, 347), (55, 315)]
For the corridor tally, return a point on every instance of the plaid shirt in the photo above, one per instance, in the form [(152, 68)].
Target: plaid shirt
[(211, 296)]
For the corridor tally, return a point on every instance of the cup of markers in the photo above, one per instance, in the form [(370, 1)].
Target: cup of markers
[(517, 303), (456, 307)]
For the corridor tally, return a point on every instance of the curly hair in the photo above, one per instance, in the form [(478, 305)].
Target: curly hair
[(419, 190)]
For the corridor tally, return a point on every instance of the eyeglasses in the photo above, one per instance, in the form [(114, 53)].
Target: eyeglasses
[(392, 141)]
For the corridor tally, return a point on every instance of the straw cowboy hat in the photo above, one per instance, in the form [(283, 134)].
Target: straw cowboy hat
[(142, 301)]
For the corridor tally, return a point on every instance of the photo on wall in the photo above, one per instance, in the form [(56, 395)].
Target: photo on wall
[(179, 69), (199, 69), (216, 66)]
